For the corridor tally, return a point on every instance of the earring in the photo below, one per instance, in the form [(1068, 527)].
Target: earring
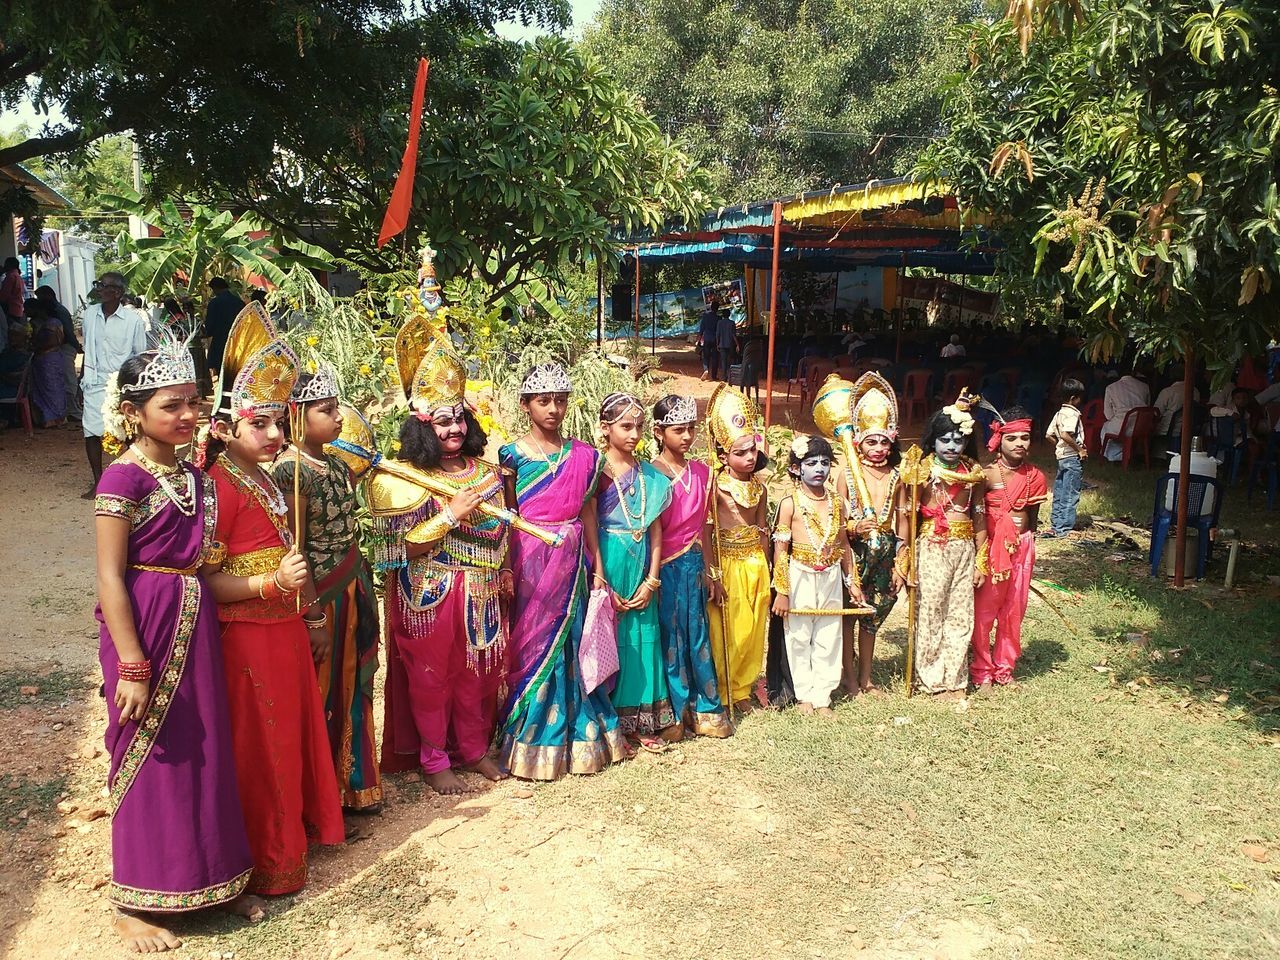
[(130, 429)]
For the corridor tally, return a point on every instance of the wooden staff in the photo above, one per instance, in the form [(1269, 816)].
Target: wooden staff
[(714, 499), (297, 429), (910, 475), (833, 612)]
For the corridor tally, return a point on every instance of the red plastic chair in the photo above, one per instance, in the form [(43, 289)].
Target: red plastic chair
[(1094, 419), (1135, 433), (23, 402), (915, 395), (802, 374), (962, 378), (818, 371)]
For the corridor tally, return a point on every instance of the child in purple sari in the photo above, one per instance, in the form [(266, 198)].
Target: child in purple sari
[(553, 726), (177, 837)]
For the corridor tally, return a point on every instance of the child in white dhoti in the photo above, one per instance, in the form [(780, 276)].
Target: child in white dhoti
[(811, 561)]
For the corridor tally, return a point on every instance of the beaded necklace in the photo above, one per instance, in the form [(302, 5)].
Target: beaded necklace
[(271, 500), (818, 537), (634, 521), (184, 501)]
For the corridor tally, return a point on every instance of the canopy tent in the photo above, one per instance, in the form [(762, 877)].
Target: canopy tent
[(896, 223)]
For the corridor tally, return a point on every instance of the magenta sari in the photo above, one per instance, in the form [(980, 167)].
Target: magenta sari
[(177, 837)]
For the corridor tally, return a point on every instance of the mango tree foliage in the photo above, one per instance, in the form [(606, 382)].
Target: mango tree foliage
[(1126, 152), (528, 154), (775, 96)]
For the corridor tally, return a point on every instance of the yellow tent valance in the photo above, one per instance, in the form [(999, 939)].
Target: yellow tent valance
[(872, 196)]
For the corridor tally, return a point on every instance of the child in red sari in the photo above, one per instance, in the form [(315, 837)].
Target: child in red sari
[(288, 793), (1014, 491)]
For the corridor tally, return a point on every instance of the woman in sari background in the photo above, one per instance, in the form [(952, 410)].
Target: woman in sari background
[(553, 726), (48, 390), (632, 496), (178, 842)]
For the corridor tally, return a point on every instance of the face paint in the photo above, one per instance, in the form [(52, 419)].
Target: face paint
[(949, 446), (815, 470), (450, 426), (875, 450)]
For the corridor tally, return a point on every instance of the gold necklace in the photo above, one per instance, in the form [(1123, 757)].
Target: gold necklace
[(274, 506), (552, 468), (185, 502), (818, 537), (635, 521), (745, 493)]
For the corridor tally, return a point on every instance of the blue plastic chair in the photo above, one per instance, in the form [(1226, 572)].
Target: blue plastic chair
[(1267, 465), (1196, 517)]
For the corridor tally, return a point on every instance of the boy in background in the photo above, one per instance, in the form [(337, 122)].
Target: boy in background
[(1067, 431)]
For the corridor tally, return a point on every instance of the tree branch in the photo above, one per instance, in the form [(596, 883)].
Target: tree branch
[(63, 142)]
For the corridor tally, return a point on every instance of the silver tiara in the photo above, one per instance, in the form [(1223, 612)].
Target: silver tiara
[(170, 364), (684, 410), (620, 403), (322, 386), (546, 378)]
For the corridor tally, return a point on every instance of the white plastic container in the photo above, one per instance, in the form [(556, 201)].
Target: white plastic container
[(1202, 465)]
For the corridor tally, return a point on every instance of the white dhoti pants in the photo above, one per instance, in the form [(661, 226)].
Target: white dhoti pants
[(814, 643)]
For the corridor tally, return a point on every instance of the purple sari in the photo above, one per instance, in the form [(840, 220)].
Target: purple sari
[(177, 838), (552, 725)]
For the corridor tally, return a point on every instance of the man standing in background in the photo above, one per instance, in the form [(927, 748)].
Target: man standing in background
[(113, 332), (224, 307), (707, 339)]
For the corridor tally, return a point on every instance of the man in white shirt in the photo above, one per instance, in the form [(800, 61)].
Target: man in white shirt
[(953, 349), (113, 332), (1125, 394), (1168, 402)]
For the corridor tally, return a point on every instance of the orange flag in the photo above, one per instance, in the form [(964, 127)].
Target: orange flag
[(397, 216)]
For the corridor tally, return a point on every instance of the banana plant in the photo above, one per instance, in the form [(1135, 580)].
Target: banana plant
[(198, 243)]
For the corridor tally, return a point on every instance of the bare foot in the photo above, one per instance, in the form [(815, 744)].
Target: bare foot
[(949, 696), (805, 708), (143, 937), (673, 733), (445, 782), (848, 691), (745, 706), (488, 769), (826, 713), (253, 909), (983, 689), (872, 690)]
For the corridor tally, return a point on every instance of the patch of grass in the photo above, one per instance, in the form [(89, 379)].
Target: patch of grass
[(65, 604), (38, 798), (1100, 813), (389, 904), (54, 686)]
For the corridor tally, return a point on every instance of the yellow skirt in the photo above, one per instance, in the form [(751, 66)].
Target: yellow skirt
[(746, 583)]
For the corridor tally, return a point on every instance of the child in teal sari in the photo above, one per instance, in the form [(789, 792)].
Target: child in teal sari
[(632, 496)]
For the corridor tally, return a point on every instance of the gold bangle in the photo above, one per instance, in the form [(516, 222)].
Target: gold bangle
[(653, 583), (983, 560), (782, 577), (262, 582)]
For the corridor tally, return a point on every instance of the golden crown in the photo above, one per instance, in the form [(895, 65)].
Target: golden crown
[(731, 416), (259, 365)]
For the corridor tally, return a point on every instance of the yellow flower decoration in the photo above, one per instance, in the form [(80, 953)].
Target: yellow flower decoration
[(365, 369), (312, 341)]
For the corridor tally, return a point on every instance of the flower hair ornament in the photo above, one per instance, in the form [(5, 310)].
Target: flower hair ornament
[(546, 378), (800, 446), (959, 414), (684, 410), (115, 428)]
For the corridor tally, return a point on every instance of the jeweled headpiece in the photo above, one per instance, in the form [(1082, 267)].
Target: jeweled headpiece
[(546, 378), (732, 416), (259, 365), (170, 364), (616, 406), (875, 408), (323, 385), (684, 410)]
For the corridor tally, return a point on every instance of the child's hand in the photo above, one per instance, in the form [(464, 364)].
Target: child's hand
[(782, 605), (640, 599), (897, 583), (465, 501), (619, 605), (978, 579), (864, 527), (321, 641), (856, 597), (292, 572), (132, 700), (715, 592)]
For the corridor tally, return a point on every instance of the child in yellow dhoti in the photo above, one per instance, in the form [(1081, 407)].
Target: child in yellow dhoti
[(811, 560), (739, 579)]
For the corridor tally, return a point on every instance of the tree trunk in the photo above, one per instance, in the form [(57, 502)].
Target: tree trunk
[(1184, 470)]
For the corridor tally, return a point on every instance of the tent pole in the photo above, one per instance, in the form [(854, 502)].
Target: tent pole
[(902, 273), (773, 314), (637, 286), (1184, 469)]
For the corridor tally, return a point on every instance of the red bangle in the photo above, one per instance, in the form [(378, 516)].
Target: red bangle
[(134, 672)]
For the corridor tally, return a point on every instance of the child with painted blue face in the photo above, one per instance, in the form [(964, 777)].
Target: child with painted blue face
[(811, 560), (951, 550)]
